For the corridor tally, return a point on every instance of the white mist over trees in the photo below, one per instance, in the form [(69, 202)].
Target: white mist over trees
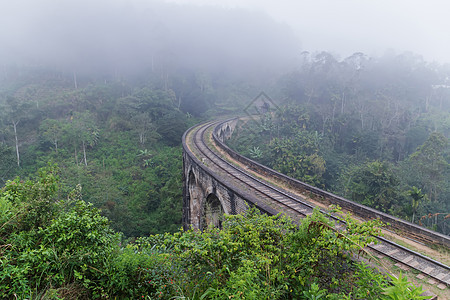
[(123, 37), (105, 89), (78, 76)]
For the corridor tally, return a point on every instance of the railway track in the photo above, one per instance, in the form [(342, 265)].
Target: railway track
[(267, 193), (295, 207)]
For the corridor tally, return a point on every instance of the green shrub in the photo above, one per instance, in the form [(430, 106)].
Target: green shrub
[(49, 243), (401, 289), (73, 251)]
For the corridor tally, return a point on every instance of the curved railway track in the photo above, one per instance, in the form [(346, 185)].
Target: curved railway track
[(289, 204), (267, 193)]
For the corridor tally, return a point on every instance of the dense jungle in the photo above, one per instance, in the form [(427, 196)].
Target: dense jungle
[(91, 157)]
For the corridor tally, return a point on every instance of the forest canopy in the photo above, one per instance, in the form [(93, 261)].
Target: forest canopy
[(94, 100), (374, 130)]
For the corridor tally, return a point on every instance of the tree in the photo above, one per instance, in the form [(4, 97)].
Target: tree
[(6, 163), (51, 130), (171, 127), (144, 127), (84, 130), (15, 111), (375, 184), (299, 156), (430, 164), (51, 242), (416, 196)]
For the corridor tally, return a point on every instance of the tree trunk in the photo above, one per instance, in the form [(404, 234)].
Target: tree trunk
[(75, 80), (342, 103), (332, 116), (17, 141), (324, 122), (361, 116), (84, 153), (310, 95), (76, 155)]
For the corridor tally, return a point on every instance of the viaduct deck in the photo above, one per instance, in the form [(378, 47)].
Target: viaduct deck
[(218, 180)]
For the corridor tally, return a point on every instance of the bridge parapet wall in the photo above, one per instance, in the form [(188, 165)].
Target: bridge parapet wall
[(406, 228)]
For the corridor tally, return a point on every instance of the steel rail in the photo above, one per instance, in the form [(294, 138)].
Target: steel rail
[(432, 268)]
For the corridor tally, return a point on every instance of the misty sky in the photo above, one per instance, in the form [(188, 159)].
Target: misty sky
[(108, 32), (369, 26)]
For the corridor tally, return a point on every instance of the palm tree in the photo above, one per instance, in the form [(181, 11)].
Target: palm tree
[(417, 196)]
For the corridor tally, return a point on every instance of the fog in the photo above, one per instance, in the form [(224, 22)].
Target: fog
[(221, 36), (129, 36), (372, 27)]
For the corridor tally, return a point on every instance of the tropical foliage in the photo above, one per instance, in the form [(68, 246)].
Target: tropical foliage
[(56, 248), (373, 130), (367, 129)]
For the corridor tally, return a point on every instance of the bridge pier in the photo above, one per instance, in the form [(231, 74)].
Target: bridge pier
[(206, 199), (213, 186)]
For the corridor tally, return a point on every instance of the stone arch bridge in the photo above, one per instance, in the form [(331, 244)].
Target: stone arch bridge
[(217, 181)]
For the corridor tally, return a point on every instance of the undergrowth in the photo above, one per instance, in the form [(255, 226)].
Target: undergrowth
[(63, 249)]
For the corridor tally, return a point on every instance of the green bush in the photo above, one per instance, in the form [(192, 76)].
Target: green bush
[(72, 252), (49, 243), (401, 289), (254, 256)]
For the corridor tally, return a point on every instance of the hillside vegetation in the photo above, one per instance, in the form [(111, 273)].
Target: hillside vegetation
[(90, 170), (375, 131), (61, 248), (121, 143)]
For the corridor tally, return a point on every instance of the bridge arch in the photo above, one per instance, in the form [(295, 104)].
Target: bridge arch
[(227, 132), (195, 196), (226, 129), (212, 212), (210, 189)]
